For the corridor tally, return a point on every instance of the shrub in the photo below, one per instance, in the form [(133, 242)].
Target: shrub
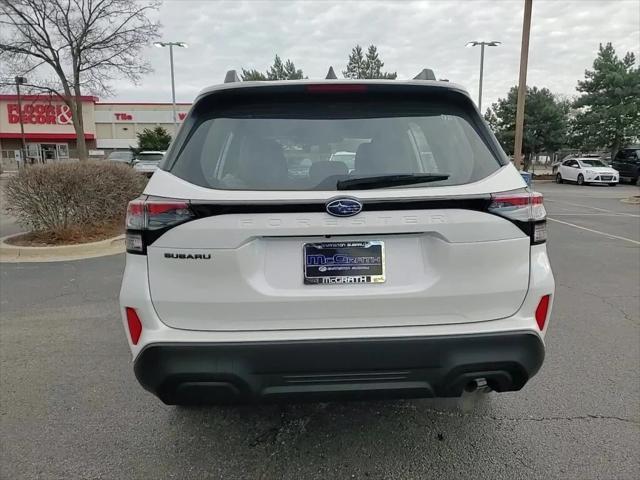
[(63, 196)]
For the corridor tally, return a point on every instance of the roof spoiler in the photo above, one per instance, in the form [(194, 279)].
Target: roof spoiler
[(425, 74), (231, 77)]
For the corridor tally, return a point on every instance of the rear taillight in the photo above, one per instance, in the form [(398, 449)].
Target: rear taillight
[(542, 310), (149, 217), (525, 209)]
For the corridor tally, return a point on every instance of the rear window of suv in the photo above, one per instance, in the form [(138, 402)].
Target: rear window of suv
[(304, 145)]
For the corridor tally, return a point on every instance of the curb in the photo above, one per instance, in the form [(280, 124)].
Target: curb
[(62, 253)]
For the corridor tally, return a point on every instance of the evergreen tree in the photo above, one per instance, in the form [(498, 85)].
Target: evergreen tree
[(545, 121), (278, 71), (608, 112), (291, 73), (362, 66), (283, 71), (373, 65), (252, 75), (355, 65), (157, 139)]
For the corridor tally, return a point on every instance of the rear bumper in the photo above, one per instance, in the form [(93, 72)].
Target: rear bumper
[(331, 369)]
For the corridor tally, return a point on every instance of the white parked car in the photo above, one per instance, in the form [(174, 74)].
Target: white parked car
[(584, 171), (146, 162), (408, 276)]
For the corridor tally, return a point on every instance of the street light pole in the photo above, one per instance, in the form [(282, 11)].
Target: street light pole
[(482, 45), (481, 76), (173, 83), (173, 90), (21, 81)]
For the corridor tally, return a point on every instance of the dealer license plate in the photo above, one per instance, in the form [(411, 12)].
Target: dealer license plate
[(343, 262)]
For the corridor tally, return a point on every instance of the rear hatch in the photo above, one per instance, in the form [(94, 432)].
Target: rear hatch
[(244, 238)]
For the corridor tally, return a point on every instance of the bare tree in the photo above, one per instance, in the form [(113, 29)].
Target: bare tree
[(76, 46)]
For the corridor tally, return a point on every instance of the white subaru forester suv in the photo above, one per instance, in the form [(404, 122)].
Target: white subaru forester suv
[(421, 271)]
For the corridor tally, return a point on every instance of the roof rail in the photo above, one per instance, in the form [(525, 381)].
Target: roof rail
[(425, 74), (231, 77), (331, 75)]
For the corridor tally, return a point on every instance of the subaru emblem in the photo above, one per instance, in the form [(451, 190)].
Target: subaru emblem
[(344, 207)]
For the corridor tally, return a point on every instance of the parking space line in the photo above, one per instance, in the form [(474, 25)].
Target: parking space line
[(588, 214), (593, 208), (595, 231)]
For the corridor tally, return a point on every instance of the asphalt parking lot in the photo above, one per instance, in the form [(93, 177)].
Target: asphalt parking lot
[(71, 408)]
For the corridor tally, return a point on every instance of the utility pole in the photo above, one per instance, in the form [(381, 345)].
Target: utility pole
[(522, 84), (23, 155)]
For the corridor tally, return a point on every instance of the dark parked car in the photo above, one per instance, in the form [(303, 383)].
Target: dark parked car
[(627, 162)]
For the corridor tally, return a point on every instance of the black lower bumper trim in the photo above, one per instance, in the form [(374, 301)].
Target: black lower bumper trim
[(442, 366)]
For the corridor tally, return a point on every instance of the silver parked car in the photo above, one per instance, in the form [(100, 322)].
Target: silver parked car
[(121, 156), (147, 162)]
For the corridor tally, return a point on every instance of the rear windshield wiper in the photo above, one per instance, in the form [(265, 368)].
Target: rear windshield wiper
[(382, 181)]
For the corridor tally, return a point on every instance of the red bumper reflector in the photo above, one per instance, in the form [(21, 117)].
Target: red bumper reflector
[(135, 325), (541, 311)]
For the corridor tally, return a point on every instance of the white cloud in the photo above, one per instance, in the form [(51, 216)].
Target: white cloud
[(409, 35)]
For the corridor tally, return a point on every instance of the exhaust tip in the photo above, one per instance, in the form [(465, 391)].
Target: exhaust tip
[(476, 384), (470, 387)]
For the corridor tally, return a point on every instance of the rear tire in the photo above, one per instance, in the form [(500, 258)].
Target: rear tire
[(580, 180), (559, 178)]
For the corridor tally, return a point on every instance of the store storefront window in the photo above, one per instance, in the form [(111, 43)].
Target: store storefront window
[(47, 152), (63, 151), (33, 152)]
